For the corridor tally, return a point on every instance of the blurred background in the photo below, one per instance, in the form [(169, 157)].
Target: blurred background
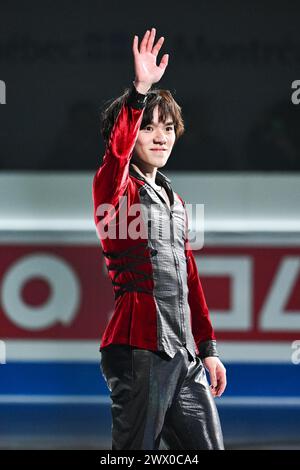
[(232, 67)]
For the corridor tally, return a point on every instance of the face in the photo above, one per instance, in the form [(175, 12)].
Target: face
[(155, 142)]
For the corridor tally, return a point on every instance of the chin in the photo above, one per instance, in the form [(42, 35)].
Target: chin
[(159, 162)]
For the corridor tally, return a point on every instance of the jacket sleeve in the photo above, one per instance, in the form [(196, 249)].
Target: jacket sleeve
[(111, 179), (201, 324)]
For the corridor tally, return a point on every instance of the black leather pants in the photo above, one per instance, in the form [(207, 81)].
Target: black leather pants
[(158, 400)]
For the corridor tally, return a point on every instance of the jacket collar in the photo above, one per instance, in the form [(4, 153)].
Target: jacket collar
[(160, 177)]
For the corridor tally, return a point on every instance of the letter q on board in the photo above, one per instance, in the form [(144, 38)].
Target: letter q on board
[(63, 302)]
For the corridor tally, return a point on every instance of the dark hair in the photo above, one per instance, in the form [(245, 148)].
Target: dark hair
[(166, 104)]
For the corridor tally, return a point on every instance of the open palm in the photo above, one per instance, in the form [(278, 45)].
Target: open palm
[(146, 70)]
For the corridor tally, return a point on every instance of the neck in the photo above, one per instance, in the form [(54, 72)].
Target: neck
[(146, 172)]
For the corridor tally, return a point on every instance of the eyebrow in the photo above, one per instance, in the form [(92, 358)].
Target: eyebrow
[(166, 124)]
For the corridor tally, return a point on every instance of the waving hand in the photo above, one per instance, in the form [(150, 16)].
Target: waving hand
[(147, 71)]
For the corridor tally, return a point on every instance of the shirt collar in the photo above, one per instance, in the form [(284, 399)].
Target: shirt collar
[(160, 177)]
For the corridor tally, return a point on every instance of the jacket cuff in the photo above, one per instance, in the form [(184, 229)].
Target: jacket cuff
[(135, 99), (208, 348)]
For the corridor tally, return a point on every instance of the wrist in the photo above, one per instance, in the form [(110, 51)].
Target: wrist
[(142, 87), (208, 349), (136, 99)]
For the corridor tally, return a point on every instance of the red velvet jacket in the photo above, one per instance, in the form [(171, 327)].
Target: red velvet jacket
[(130, 262)]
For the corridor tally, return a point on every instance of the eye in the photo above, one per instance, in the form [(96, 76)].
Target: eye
[(169, 128)]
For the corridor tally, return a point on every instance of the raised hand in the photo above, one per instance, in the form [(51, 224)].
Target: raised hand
[(146, 70)]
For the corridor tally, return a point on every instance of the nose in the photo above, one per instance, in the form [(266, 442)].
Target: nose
[(160, 136)]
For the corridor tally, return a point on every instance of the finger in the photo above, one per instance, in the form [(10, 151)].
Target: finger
[(213, 378), (164, 61), (135, 49), (222, 382), (151, 40), (144, 42), (157, 46), (220, 389)]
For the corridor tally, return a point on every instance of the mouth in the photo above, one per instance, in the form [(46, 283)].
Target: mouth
[(158, 150)]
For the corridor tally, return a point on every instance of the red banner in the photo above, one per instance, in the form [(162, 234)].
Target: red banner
[(63, 291)]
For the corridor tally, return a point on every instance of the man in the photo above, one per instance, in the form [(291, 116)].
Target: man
[(159, 341)]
